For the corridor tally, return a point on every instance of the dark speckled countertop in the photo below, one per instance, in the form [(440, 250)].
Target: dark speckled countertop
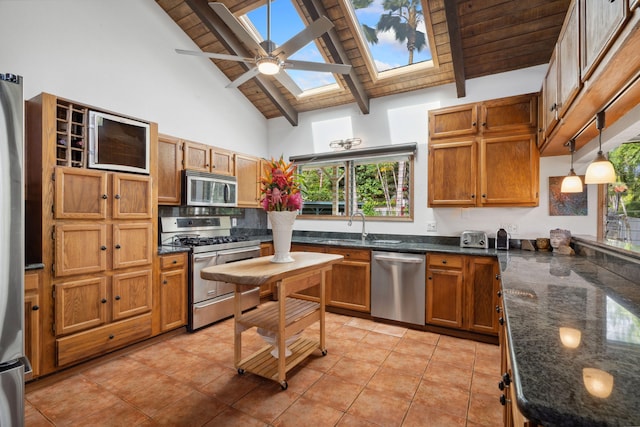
[(544, 292)]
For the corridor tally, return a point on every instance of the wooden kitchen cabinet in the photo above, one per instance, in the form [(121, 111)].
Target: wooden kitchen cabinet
[(248, 176), (497, 166), (131, 196), (600, 21), (453, 121), (205, 158), (350, 284), (173, 291), (80, 193), (169, 170), (550, 96), (462, 292), (445, 290), (453, 173), (32, 319)]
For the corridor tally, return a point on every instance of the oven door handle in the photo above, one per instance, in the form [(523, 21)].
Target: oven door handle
[(238, 251), (197, 258)]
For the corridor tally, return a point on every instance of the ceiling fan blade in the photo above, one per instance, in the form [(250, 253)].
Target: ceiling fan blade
[(216, 55), (286, 81), (300, 40), (244, 77), (236, 27), (317, 66)]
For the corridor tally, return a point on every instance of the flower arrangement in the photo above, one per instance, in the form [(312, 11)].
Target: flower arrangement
[(280, 191)]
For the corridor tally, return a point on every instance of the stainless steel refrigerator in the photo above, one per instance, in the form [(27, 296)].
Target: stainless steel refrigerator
[(13, 363)]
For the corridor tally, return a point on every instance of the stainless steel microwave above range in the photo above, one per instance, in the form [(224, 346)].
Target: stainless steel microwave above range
[(208, 189)]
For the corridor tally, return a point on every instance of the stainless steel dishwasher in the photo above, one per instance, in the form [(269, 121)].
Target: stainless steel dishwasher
[(398, 286)]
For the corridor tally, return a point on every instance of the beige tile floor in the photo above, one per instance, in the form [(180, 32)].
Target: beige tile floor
[(373, 375)]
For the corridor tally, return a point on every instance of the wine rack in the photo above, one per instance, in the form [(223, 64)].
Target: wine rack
[(71, 135)]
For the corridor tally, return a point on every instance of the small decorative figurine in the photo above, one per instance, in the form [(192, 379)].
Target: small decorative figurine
[(560, 240)]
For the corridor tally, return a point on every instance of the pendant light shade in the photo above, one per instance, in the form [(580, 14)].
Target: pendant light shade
[(572, 182), (601, 170)]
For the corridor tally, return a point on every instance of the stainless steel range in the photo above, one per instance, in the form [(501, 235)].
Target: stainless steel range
[(211, 243)]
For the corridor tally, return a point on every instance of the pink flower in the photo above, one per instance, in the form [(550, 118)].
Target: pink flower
[(295, 201), (276, 196)]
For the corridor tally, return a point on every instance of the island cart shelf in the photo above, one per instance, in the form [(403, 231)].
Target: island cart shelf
[(286, 318)]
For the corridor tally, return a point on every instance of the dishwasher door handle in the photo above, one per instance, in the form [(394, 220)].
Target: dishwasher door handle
[(398, 259)]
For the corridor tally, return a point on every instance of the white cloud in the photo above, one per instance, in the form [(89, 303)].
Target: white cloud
[(383, 66)]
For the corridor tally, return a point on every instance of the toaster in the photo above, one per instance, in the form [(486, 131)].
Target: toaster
[(474, 239)]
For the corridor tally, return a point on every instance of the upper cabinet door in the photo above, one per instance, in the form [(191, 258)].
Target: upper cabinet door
[(132, 244), (80, 193), (452, 173), (169, 167), (601, 20), (222, 162), (453, 121), (568, 56), (509, 168), (513, 114), (248, 175), (197, 156), (80, 248), (131, 196)]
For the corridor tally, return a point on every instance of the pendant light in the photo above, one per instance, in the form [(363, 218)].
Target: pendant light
[(601, 170), (572, 182)]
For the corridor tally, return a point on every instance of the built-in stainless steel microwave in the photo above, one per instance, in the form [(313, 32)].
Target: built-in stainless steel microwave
[(208, 189)]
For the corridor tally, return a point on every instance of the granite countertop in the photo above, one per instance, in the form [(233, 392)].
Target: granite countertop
[(544, 292)]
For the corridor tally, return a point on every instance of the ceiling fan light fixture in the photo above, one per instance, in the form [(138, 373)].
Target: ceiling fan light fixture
[(268, 65)]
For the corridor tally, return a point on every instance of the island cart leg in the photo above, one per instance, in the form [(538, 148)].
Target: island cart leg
[(323, 277), (282, 357), (237, 331)]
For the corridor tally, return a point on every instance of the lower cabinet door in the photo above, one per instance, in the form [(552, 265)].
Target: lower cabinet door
[(444, 297), (173, 297), (131, 294), (350, 286), (80, 305)]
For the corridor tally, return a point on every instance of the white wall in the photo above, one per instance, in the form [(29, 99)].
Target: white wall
[(119, 55), (403, 118)]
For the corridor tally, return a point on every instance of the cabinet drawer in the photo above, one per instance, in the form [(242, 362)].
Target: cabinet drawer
[(172, 261), (31, 281), (351, 254), (445, 260), (102, 340)]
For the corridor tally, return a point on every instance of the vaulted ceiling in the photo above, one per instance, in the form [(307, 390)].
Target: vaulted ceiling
[(468, 39)]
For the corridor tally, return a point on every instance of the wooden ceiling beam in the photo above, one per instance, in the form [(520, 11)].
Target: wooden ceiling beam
[(451, 11), (316, 9), (229, 40)]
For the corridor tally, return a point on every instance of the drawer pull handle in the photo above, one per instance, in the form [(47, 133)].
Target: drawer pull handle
[(111, 336), (175, 261), (444, 261)]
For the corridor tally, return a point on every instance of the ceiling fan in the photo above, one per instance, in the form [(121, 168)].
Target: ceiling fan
[(270, 59)]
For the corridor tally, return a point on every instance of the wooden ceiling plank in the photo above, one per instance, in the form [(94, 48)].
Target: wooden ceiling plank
[(316, 10), (455, 40), (229, 40)]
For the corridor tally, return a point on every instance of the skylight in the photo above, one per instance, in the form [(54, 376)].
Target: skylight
[(285, 23), (387, 27)]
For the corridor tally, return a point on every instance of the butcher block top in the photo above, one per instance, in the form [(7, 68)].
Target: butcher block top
[(258, 271)]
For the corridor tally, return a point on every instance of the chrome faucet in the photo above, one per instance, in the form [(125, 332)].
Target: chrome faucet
[(364, 233)]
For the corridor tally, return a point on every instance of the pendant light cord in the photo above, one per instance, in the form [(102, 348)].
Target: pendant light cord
[(269, 27), (600, 125)]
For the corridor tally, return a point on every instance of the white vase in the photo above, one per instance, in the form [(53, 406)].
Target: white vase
[(282, 228)]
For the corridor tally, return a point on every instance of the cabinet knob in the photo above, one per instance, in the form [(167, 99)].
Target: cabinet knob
[(501, 321), (444, 261), (484, 124), (175, 261), (429, 278), (104, 196), (506, 378), (103, 300), (473, 196), (501, 385), (164, 282), (484, 196), (553, 107), (498, 278), (503, 400), (35, 308), (499, 292), (118, 246), (474, 124), (498, 309), (117, 196), (111, 336), (117, 297), (207, 165), (103, 248)]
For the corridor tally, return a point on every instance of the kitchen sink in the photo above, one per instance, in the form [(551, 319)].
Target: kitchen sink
[(339, 241), (386, 242)]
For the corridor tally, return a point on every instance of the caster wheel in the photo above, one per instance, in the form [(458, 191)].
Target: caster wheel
[(284, 385), (324, 352), (240, 371)]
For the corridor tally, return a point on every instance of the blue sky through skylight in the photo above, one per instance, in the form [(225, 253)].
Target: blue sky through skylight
[(387, 54)]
